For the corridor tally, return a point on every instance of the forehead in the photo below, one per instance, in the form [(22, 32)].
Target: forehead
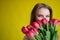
[(43, 11)]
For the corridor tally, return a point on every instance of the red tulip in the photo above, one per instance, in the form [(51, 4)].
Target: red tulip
[(34, 30), (30, 34), (54, 21), (35, 25), (39, 22), (58, 21), (24, 30), (29, 27), (44, 21)]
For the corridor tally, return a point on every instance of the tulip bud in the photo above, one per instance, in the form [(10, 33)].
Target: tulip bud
[(24, 30), (58, 21), (54, 21), (34, 30), (29, 27), (30, 34), (35, 25), (44, 21), (39, 22)]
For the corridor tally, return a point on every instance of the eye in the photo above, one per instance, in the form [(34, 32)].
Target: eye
[(40, 15), (47, 16)]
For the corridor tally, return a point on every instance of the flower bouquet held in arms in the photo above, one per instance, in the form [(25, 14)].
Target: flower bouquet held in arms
[(41, 30)]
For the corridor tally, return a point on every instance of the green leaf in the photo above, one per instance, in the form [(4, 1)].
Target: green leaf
[(55, 36), (47, 27), (41, 31), (38, 37), (41, 27), (41, 35), (47, 35), (52, 29), (32, 39)]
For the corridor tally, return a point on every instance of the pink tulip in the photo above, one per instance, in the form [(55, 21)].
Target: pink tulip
[(44, 21), (39, 22), (35, 25), (34, 30), (29, 27), (30, 34), (54, 21), (24, 30), (58, 21)]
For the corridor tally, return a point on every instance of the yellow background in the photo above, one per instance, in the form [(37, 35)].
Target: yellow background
[(16, 13)]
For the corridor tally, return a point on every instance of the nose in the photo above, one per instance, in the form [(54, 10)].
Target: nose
[(44, 17)]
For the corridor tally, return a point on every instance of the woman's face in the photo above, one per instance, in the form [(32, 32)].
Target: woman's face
[(42, 13)]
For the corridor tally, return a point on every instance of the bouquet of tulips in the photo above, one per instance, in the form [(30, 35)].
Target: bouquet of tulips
[(41, 30)]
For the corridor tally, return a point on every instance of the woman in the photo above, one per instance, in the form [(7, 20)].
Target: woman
[(39, 12)]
